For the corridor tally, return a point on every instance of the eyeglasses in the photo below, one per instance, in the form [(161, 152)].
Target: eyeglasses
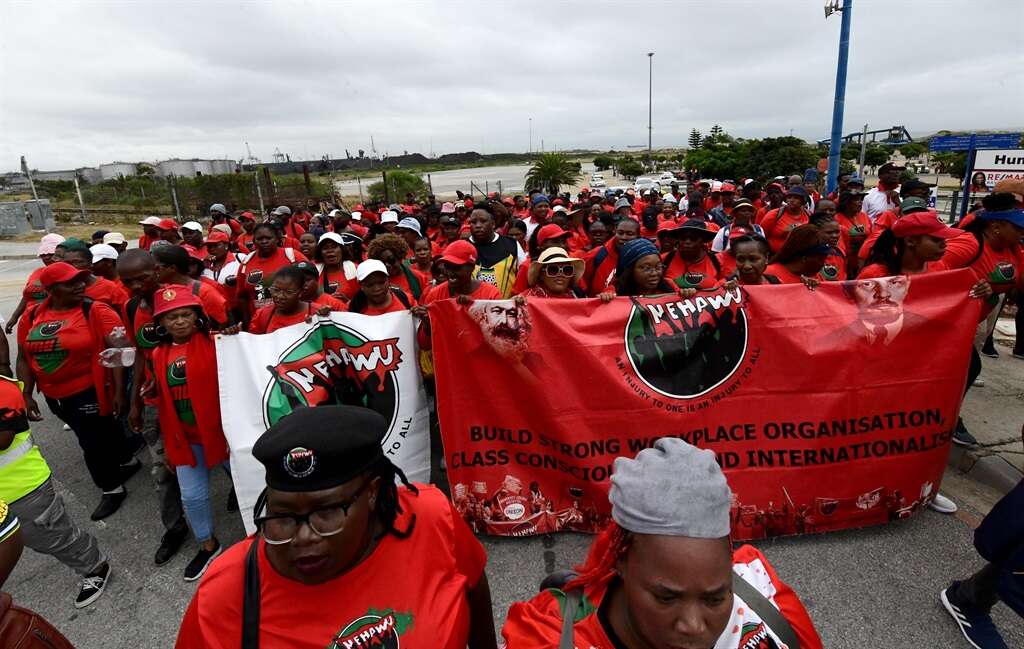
[(278, 529), (655, 268), (566, 270), (283, 292)]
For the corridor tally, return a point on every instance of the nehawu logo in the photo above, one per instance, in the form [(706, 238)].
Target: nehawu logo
[(377, 629), (333, 364), (686, 348), (755, 636)]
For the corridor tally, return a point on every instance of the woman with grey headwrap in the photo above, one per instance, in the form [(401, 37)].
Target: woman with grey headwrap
[(664, 574)]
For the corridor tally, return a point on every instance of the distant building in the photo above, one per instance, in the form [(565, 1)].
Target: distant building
[(113, 170)]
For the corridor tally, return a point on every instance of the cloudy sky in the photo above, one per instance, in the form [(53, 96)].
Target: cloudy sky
[(87, 83)]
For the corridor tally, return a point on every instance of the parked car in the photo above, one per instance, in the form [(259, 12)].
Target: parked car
[(598, 182), (666, 178), (644, 184)]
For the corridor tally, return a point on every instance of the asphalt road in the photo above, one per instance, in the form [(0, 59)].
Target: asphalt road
[(875, 587)]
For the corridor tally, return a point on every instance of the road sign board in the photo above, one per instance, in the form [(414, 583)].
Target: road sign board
[(984, 141)]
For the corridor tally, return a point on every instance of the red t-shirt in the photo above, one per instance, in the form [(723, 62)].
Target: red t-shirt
[(34, 293), (266, 320), (334, 282), (834, 269), (409, 592), (698, 274), (777, 224), (326, 300), (784, 274), (440, 292), (538, 622), (108, 292), (257, 273), (995, 266), (853, 231), (401, 281), (245, 243), (60, 348), (872, 271), (881, 224), (393, 307)]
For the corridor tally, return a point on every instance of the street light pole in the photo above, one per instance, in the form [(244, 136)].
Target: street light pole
[(840, 100), (650, 101), (530, 152)]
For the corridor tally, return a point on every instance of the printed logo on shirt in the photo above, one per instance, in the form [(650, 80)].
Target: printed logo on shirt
[(146, 336), (176, 375), (44, 346), (690, 279), (331, 288), (830, 272), (332, 364), (684, 348), (1003, 273), (377, 629), (254, 277), (755, 636)]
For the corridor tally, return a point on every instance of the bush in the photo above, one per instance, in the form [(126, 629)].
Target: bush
[(400, 183)]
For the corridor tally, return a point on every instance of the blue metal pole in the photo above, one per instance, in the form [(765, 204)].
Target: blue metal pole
[(968, 172), (837, 110)]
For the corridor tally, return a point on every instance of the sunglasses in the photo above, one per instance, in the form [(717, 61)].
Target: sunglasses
[(566, 270)]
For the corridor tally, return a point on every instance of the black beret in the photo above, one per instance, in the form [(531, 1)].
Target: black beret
[(321, 447)]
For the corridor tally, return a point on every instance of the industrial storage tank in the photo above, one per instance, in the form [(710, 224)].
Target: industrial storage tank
[(90, 175), (176, 167), (223, 166), (203, 167), (116, 169)]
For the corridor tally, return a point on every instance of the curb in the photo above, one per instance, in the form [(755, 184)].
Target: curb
[(991, 470)]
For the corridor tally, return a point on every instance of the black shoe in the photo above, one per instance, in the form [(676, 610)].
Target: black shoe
[(109, 503), (990, 351), (130, 468), (232, 501), (170, 543), (198, 565), (93, 586), (962, 437)]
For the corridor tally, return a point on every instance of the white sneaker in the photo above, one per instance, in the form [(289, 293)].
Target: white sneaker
[(942, 505), (979, 382)]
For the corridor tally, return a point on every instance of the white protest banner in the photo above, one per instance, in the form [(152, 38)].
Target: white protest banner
[(347, 358)]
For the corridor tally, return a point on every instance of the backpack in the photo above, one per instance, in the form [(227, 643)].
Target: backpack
[(21, 628)]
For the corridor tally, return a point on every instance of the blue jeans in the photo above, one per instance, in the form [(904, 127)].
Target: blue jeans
[(194, 482)]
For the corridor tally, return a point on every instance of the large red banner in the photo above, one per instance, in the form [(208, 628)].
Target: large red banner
[(827, 409)]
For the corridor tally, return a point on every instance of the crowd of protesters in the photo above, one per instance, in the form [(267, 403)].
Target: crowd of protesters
[(116, 337)]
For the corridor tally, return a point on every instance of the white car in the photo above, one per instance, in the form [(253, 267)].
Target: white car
[(666, 178), (644, 183), (598, 182)]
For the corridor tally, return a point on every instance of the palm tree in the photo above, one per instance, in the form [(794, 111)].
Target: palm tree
[(550, 171)]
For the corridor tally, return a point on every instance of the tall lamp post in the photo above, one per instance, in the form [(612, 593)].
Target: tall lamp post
[(530, 152), (846, 8), (650, 101)]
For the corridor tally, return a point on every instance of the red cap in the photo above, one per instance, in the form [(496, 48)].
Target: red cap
[(218, 237), (468, 203), (558, 201), (550, 231), (193, 253), (727, 187), (459, 252), (737, 232), (926, 222), (173, 296), (167, 224), (508, 201), (247, 215), (58, 273)]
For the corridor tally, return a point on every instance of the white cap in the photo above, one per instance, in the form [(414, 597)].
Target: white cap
[(369, 267), (331, 236), (114, 237), (357, 216), (669, 198), (716, 186), (223, 227), (102, 251), (193, 225), (559, 208), (150, 220), (333, 213), (389, 216)]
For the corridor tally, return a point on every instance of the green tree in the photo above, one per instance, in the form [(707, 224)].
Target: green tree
[(695, 139), (717, 130), (603, 162), (775, 156), (550, 171), (913, 149), (954, 163), (876, 154), (400, 183), (630, 168)]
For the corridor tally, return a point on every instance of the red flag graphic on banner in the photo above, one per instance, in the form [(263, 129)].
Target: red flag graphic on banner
[(826, 409)]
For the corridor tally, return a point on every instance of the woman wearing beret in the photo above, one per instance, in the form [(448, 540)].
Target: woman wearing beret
[(664, 573), (185, 372), (343, 556)]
